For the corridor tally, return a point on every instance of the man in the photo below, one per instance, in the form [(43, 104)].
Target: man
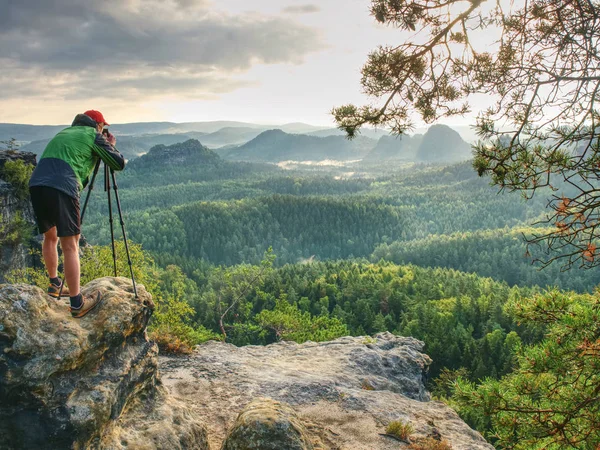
[(61, 174)]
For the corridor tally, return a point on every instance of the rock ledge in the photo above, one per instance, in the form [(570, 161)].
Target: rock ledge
[(343, 392)]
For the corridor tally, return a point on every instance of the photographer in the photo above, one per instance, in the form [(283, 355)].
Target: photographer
[(61, 174)]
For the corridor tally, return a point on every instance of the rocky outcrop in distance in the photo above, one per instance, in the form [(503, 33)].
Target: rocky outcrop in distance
[(443, 144), (89, 383), (185, 153), (329, 395)]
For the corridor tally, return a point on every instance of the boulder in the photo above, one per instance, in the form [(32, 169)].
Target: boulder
[(265, 424), (70, 383)]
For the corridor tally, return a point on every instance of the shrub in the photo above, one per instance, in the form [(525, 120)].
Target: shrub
[(18, 173), (16, 231), (180, 339), (399, 429)]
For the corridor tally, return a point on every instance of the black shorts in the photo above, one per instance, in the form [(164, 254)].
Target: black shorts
[(54, 208)]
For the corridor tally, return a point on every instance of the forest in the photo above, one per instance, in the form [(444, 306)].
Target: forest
[(226, 213)]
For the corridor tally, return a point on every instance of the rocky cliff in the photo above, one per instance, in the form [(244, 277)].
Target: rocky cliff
[(13, 254), (94, 383), (88, 383)]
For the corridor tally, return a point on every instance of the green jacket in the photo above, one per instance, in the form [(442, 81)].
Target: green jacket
[(70, 157)]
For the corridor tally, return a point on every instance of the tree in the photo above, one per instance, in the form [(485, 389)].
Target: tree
[(542, 69), (234, 284), (289, 323), (552, 398)]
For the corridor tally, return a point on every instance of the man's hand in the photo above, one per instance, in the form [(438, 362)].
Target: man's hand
[(112, 140)]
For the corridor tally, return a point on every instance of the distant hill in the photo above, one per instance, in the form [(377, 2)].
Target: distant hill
[(28, 133), (186, 162), (366, 132), (467, 132), (230, 136), (442, 144), (185, 153), (276, 146), (133, 146), (251, 142), (129, 146), (395, 148), (296, 128)]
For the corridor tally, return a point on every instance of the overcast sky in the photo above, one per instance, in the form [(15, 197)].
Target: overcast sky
[(261, 61)]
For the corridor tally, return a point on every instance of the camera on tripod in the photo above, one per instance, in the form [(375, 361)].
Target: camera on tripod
[(109, 176)]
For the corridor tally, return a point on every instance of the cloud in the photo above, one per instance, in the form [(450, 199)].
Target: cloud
[(302, 9), (71, 48)]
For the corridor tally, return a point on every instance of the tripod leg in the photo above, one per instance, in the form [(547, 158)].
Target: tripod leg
[(90, 188), (116, 189), (110, 215)]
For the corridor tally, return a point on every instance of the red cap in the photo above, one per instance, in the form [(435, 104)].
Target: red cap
[(97, 116)]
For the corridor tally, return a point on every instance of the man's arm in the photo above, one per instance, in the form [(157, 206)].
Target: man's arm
[(108, 153)]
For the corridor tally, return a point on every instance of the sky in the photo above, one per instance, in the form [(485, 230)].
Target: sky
[(260, 61)]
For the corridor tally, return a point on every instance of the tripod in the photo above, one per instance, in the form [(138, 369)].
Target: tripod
[(109, 175)]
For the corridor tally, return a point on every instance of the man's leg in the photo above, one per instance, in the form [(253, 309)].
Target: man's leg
[(70, 248), (79, 306), (50, 252)]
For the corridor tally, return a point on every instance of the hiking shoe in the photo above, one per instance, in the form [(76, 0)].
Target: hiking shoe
[(58, 291), (88, 303)]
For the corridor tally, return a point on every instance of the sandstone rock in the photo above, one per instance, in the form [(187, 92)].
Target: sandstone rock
[(64, 381), (325, 383), (154, 421), (268, 425)]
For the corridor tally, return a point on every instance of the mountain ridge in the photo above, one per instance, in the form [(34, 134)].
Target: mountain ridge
[(29, 133), (276, 146)]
